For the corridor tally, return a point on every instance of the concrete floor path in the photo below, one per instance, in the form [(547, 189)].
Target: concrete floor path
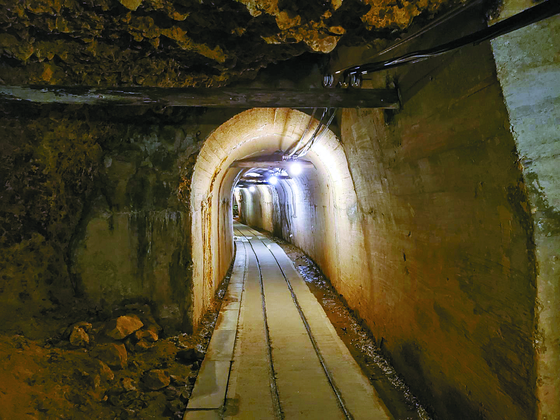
[(274, 353)]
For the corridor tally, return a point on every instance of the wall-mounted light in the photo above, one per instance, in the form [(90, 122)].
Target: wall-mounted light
[(295, 168), (252, 189), (273, 180)]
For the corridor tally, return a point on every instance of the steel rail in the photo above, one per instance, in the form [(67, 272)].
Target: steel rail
[(272, 373), (338, 394)]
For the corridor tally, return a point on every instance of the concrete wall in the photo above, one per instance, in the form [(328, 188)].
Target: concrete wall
[(433, 246), (257, 207), (134, 239), (528, 63)]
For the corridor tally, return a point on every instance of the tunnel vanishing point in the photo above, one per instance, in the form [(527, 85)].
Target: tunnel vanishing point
[(435, 217)]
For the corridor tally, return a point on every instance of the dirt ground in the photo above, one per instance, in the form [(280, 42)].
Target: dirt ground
[(48, 373)]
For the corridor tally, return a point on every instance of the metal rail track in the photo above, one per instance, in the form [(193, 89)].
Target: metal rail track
[(272, 373), (329, 376)]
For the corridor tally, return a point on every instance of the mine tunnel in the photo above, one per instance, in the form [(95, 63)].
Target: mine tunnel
[(268, 210)]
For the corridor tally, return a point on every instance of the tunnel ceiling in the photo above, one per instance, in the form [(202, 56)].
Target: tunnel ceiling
[(183, 43)]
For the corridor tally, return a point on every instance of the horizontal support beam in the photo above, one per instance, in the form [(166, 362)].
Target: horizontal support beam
[(209, 97)]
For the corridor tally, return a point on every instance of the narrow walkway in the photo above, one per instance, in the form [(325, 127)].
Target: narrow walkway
[(274, 353)]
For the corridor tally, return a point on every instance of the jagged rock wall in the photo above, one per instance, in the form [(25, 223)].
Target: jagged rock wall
[(48, 165), (91, 208), (184, 43), (134, 240)]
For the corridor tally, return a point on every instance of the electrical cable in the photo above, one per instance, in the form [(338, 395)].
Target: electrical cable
[(296, 154), (317, 138), (534, 14), (433, 24), (290, 152)]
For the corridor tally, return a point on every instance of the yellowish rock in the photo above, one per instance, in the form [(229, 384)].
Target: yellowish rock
[(336, 4), (123, 326), (78, 337), (148, 335), (114, 355), (143, 345), (284, 21), (131, 4), (337, 30), (382, 15), (156, 379), (105, 371)]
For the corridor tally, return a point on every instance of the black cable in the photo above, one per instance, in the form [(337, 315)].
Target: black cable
[(433, 24), (319, 136), (535, 14), (295, 155), (291, 151)]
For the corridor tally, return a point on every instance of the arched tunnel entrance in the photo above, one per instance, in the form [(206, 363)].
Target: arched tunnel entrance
[(319, 199), (275, 325)]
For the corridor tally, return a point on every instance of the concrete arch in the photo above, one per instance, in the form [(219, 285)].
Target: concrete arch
[(258, 132)]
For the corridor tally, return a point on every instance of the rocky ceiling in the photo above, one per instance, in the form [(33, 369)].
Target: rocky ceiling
[(170, 43)]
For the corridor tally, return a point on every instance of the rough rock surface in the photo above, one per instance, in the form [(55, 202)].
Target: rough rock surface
[(46, 378), (128, 384), (86, 326), (188, 43), (105, 371), (143, 345), (114, 355), (189, 356), (147, 335), (123, 326), (78, 337), (156, 379)]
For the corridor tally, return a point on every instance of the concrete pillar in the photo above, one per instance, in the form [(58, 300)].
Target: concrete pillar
[(528, 67)]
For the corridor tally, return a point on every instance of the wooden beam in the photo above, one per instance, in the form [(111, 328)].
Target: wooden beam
[(196, 97)]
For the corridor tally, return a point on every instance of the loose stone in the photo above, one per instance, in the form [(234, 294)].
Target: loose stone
[(156, 379), (123, 326)]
